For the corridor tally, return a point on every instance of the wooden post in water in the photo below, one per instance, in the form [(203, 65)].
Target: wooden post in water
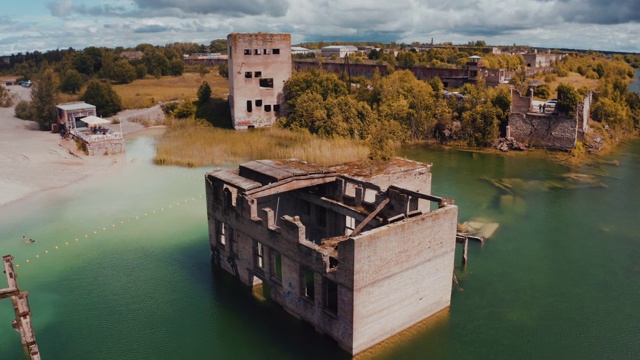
[(465, 251), (22, 323)]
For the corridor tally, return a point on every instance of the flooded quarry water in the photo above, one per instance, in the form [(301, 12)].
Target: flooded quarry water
[(121, 267)]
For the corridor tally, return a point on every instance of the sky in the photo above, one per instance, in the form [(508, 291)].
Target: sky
[(29, 25)]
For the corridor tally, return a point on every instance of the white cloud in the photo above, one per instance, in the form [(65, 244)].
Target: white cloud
[(545, 23)]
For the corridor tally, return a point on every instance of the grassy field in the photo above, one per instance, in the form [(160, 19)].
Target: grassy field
[(148, 92), (574, 79), (188, 143)]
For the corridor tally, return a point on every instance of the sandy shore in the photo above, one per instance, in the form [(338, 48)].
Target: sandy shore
[(32, 160)]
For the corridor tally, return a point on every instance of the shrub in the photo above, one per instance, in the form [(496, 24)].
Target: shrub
[(23, 110)]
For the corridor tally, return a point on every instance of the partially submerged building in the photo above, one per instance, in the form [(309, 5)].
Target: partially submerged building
[(259, 65), (360, 253)]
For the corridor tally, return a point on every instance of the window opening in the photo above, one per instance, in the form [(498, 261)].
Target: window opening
[(276, 107), (349, 224), (276, 51), (222, 239), (258, 103), (267, 108), (247, 51), (259, 253), (247, 74), (257, 51), (277, 265), (249, 108), (308, 285), (266, 52), (266, 82), (257, 74), (330, 300)]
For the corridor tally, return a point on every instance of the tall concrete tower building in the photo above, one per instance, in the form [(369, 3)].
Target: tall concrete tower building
[(259, 65)]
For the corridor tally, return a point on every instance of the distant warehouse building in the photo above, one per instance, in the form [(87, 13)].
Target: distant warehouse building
[(338, 50), (259, 65)]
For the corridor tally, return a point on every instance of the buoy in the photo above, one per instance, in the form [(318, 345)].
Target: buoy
[(85, 235), (37, 256), (66, 243), (28, 260), (46, 251), (56, 247)]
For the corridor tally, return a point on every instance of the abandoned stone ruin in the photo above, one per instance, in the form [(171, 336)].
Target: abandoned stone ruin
[(547, 130), (361, 252)]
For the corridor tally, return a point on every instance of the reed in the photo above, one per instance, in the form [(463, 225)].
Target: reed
[(196, 143)]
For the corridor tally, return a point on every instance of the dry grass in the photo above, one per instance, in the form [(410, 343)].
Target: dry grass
[(188, 143), (148, 92), (574, 79)]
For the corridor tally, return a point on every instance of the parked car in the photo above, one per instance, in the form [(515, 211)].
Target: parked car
[(27, 83), (551, 103), (9, 83)]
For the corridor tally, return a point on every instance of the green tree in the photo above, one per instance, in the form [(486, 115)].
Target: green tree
[(44, 98), (568, 99), (204, 93), (223, 70), (218, 46), (185, 110), (176, 67), (83, 63), (72, 82), (102, 95), (123, 72)]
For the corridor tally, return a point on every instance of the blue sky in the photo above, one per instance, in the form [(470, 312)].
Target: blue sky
[(28, 25)]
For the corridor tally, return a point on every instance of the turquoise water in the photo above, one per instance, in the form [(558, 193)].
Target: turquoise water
[(557, 281)]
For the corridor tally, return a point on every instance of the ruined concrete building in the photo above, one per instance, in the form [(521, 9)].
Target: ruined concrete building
[(360, 253), (549, 130), (259, 65)]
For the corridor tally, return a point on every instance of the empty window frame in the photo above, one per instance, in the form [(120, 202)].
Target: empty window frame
[(233, 242), (266, 82), (257, 74), (349, 224), (330, 296), (247, 51), (276, 265), (276, 107), (258, 251), (276, 51), (248, 74), (257, 51), (249, 106), (307, 284), (266, 51), (267, 108), (258, 103), (221, 233)]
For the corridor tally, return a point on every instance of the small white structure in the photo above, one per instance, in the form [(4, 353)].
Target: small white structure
[(295, 50)]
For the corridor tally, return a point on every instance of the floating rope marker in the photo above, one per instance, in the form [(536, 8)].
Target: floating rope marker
[(77, 240), (28, 261), (56, 247), (37, 256), (66, 243), (46, 251)]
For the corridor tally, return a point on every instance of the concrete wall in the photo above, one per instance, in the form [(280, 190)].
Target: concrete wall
[(552, 131), (261, 56), (402, 275), (107, 147)]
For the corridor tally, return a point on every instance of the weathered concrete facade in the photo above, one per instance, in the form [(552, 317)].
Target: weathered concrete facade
[(259, 65), (357, 253), (547, 130)]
